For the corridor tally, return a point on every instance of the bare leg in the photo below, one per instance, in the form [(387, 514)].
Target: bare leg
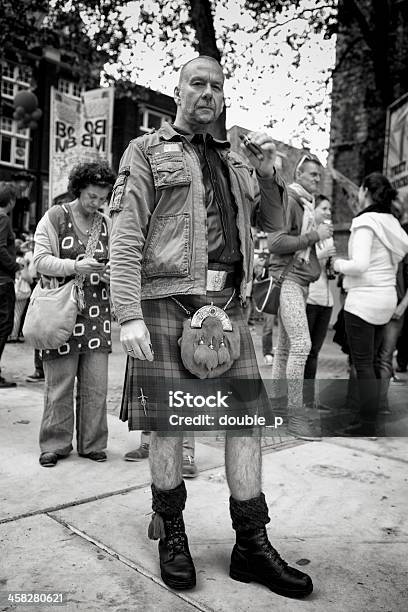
[(243, 465), (165, 460)]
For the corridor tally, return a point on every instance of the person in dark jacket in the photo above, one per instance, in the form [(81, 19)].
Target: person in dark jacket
[(8, 269), (293, 254)]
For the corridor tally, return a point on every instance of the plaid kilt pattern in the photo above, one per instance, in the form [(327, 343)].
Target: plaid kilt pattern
[(145, 400)]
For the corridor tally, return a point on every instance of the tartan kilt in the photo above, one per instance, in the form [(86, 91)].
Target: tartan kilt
[(145, 399)]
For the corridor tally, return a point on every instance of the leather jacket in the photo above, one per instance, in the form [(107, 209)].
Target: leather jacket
[(159, 229)]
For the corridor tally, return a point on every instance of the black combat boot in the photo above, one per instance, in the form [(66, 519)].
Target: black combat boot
[(253, 557), (167, 526)]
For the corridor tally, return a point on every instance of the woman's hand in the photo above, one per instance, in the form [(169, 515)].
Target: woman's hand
[(325, 230), (400, 310), (331, 251), (105, 276), (87, 265)]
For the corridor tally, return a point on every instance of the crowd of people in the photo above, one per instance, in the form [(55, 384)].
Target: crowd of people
[(178, 242)]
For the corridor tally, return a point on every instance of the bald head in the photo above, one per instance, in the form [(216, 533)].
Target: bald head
[(199, 94), (188, 66)]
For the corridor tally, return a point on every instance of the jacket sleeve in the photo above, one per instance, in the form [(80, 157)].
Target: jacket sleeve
[(286, 240), (132, 203), (273, 201), (44, 258), (7, 263)]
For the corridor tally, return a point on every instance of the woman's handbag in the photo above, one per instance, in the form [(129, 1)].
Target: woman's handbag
[(266, 291), (51, 315), (52, 311)]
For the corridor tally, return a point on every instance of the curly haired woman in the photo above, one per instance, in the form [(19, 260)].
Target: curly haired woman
[(73, 239)]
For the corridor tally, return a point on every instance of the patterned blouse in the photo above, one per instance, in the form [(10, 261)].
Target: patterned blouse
[(92, 331)]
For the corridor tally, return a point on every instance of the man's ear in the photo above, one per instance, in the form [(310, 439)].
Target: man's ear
[(177, 95)]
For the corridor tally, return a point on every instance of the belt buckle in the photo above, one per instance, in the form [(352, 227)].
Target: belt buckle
[(216, 280)]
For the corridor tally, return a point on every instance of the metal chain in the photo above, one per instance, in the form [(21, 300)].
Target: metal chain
[(188, 312)]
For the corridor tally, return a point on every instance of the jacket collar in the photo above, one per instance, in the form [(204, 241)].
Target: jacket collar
[(167, 132)]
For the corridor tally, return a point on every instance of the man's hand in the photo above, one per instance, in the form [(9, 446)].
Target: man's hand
[(135, 339), (325, 230), (266, 166)]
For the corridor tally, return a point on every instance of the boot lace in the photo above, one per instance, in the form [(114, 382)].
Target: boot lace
[(272, 553), (175, 536)]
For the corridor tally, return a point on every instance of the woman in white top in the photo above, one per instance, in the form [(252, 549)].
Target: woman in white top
[(377, 244)]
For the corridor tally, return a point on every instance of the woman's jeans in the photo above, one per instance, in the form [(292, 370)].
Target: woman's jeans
[(384, 357), (364, 340), (57, 426), (318, 319)]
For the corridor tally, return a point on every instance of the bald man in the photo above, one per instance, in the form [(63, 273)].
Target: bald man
[(182, 209)]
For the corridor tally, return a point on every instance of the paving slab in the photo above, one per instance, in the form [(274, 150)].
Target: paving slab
[(392, 447), (43, 556), (339, 510), (26, 487)]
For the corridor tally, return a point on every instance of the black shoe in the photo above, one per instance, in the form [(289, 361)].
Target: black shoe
[(48, 459), (176, 565), (254, 559), (98, 456), (6, 384), (36, 377)]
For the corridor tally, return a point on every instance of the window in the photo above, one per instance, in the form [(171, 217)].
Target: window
[(70, 88), (14, 78), (150, 119), (14, 143)]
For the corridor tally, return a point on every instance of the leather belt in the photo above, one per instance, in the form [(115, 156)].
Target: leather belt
[(217, 280)]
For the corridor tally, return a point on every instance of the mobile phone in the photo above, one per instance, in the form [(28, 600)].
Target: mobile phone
[(103, 260), (251, 146)]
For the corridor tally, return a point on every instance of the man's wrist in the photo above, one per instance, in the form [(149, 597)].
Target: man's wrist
[(267, 175)]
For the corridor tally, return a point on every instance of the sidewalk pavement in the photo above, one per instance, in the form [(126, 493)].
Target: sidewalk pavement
[(337, 507)]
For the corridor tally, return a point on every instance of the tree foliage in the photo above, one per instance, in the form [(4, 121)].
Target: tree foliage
[(88, 33)]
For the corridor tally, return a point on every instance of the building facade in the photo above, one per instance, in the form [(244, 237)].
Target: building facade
[(370, 74), (28, 150)]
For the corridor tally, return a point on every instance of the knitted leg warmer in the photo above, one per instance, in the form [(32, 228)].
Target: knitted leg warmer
[(249, 514), (166, 505)]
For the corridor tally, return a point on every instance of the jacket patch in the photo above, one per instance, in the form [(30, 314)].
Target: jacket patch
[(118, 191), (172, 146)]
